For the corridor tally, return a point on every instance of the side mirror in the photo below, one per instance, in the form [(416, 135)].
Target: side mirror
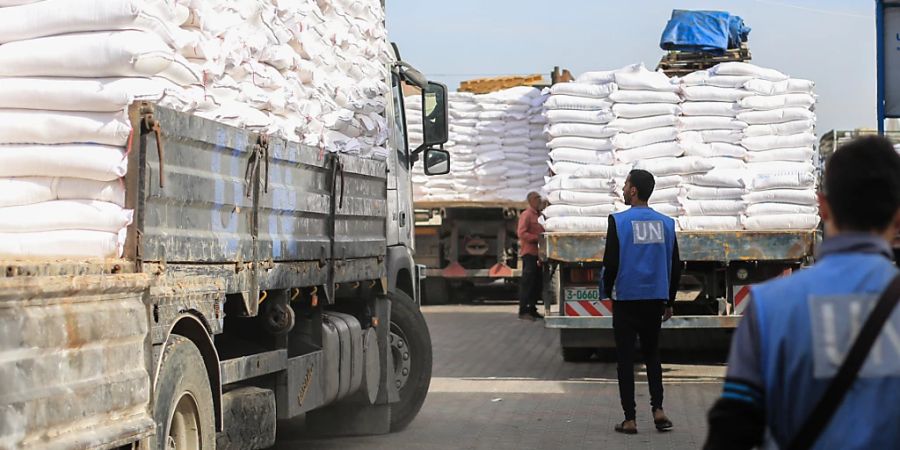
[(434, 114), (437, 162)]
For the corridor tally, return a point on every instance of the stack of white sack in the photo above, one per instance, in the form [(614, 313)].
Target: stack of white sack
[(538, 153), (780, 144), (709, 129), (646, 106), (583, 189)]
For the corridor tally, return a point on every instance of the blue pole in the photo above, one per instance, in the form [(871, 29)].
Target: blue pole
[(879, 36)]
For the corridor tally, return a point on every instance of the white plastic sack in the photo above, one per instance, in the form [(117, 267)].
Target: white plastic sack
[(643, 79), (664, 182), (757, 143), (669, 195), (567, 183), (579, 211), (692, 123), (642, 123), (709, 223), (582, 198), (800, 154), (658, 150), (581, 156), (573, 116), (724, 109), (576, 224), (583, 90), (646, 137), (685, 165), (667, 209), (581, 142), (719, 178), (780, 180), (711, 136), (774, 209), (776, 116), (781, 129), (19, 126), (581, 130), (747, 69), (794, 196), (604, 77), (782, 222), (713, 94), (591, 171), (28, 190), (94, 162), (61, 244), (704, 78), (697, 192), (715, 149), (576, 103), (64, 215), (767, 103), (713, 207), (629, 110), (781, 167), (76, 94), (98, 54), (791, 86), (727, 163), (623, 96)]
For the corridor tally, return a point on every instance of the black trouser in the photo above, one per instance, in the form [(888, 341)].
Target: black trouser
[(631, 319), (530, 284)]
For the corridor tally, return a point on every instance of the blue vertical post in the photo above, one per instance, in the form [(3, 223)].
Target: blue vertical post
[(879, 45)]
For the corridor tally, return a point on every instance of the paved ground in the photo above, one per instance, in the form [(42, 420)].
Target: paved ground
[(500, 383)]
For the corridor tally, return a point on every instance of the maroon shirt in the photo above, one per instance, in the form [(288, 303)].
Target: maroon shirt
[(529, 231)]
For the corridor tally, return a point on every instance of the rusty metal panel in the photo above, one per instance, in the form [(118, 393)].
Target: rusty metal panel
[(74, 352), (721, 246), (360, 222), (203, 212)]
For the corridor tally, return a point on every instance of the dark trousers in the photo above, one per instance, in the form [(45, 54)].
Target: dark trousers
[(530, 284), (633, 319)]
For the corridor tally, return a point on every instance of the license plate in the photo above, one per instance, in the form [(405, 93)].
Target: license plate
[(573, 294)]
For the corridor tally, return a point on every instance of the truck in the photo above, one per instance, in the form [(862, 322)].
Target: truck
[(261, 280), (719, 268)]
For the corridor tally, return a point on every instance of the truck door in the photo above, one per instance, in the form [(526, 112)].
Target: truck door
[(399, 185)]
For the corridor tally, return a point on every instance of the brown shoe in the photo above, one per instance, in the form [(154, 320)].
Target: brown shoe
[(527, 317), (627, 427), (661, 421)]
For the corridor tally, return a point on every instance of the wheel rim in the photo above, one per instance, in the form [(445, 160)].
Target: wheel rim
[(184, 426), (402, 356)]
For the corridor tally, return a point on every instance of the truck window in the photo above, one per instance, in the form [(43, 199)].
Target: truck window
[(398, 121)]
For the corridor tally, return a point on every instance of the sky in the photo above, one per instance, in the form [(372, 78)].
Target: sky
[(831, 42)]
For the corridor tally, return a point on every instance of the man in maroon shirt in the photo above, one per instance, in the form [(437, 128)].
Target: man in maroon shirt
[(528, 231)]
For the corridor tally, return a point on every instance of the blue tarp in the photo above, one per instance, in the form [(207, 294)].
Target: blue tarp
[(703, 31)]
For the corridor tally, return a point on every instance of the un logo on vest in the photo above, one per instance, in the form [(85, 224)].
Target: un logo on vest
[(647, 231)]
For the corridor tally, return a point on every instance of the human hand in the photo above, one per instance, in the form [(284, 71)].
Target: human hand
[(667, 313)]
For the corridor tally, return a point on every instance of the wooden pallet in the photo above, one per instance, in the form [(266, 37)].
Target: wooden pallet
[(493, 84), (678, 63)]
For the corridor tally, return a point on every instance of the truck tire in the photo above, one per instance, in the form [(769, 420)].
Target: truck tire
[(410, 344), (577, 354), (435, 291), (182, 403)]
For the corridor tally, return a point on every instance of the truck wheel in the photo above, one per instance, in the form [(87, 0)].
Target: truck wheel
[(182, 403), (411, 350), (577, 354), (435, 291)]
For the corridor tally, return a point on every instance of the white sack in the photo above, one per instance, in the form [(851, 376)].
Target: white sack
[(747, 69), (604, 77), (667, 209), (794, 196), (715, 149), (19, 126), (691, 123), (576, 103), (623, 96), (724, 109), (646, 137), (64, 215), (61, 244), (719, 178), (579, 211), (781, 167), (576, 224), (580, 142), (581, 130), (669, 195), (709, 223), (776, 116), (583, 90), (800, 154), (767, 103), (758, 143), (710, 136), (774, 209), (781, 129), (713, 207), (577, 155), (25, 191), (727, 163), (704, 78), (642, 123), (592, 171), (782, 222), (713, 94), (789, 180), (76, 94), (98, 54), (697, 192), (94, 162), (582, 198), (643, 79), (629, 110), (567, 183), (791, 86), (658, 150), (663, 182), (685, 165), (565, 115)]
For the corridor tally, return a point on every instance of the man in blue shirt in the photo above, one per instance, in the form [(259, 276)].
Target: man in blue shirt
[(797, 331), (641, 263)]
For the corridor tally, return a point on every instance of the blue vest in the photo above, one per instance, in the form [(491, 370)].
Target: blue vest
[(807, 323), (646, 243)]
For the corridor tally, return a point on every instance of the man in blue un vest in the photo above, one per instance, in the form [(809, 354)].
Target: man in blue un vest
[(641, 262), (796, 333)]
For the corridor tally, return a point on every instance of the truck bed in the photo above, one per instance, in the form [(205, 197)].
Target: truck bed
[(722, 246)]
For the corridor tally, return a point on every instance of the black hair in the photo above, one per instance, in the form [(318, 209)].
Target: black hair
[(862, 184), (644, 182)]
